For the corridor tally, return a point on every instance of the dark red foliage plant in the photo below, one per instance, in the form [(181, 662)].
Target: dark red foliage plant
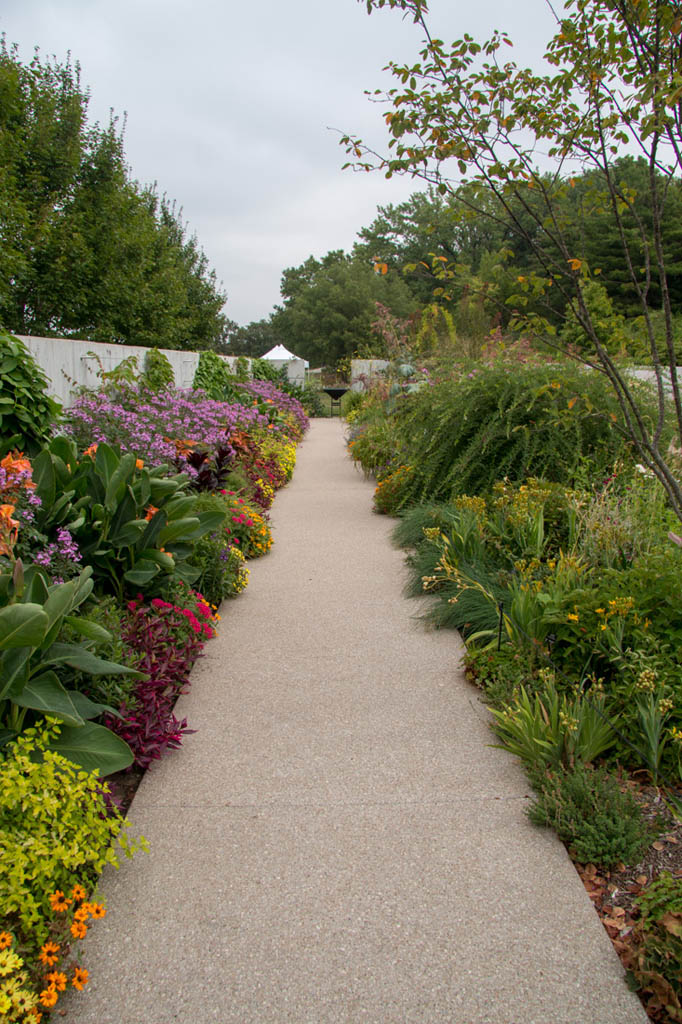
[(167, 640)]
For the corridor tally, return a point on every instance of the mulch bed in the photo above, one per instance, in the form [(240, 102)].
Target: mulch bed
[(613, 893)]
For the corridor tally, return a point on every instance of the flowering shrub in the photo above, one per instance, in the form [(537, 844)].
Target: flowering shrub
[(61, 558), (221, 564), (167, 639), (286, 412), (16, 499), (388, 493), (25, 987), (246, 527), (54, 832), (152, 425)]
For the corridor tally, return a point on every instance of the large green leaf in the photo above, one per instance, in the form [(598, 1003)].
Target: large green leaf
[(126, 511), (94, 748), (150, 537), (45, 478), (180, 507), (22, 625), (180, 529), (161, 488), (118, 482), (45, 693), (129, 535), (36, 589), (85, 661), (106, 462), (143, 572), (90, 630), (87, 708), (13, 669), (161, 558), (212, 519)]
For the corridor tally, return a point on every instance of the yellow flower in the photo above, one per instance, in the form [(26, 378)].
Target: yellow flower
[(599, 611), (573, 618), (5, 1003), (9, 962)]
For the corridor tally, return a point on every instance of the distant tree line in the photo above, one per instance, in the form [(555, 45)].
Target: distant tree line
[(329, 304), (85, 251)]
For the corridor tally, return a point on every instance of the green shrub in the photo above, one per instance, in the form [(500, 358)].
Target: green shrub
[(601, 823), (539, 421), (55, 832), (376, 447), (352, 401), (211, 555), (658, 967), (100, 618), (26, 412), (158, 372), (213, 376)]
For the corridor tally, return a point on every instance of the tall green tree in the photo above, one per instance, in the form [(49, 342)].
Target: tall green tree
[(462, 112), (84, 250), (330, 304)]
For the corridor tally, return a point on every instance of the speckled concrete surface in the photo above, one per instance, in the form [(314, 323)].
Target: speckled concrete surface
[(338, 842)]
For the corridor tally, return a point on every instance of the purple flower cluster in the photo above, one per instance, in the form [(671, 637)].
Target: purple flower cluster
[(148, 424), (62, 556), (269, 392)]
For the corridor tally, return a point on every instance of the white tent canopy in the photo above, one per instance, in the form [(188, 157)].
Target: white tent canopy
[(280, 353)]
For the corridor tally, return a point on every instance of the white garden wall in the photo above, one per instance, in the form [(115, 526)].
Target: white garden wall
[(69, 363)]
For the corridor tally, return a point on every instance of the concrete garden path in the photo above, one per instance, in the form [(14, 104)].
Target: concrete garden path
[(338, 842)]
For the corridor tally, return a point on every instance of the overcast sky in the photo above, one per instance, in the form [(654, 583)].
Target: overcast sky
[(231, 109)]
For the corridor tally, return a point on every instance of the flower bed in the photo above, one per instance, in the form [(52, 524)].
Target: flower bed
[(104, 537)]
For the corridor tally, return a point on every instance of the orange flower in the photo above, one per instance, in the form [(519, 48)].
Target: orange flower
[(150, 512), (82, 914), (58, 979), (5, 940), (79, 930), (80, 978), (79, 893), (48, 954), (97, 910), (59, 902), (91, 450), (139, 464), (49, 996)]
